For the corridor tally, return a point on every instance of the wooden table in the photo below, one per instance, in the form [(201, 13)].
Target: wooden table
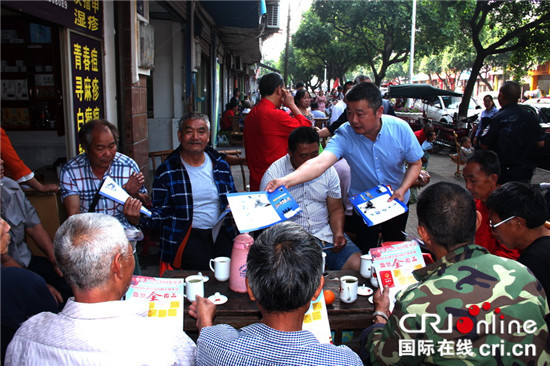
[(240, 311)]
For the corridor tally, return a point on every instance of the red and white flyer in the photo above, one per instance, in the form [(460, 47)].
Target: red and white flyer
[(394, 265)]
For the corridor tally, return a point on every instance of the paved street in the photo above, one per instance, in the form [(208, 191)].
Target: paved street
[(443, 169), (440, 167)]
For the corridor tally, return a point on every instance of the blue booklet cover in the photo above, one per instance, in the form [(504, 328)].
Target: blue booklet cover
[(257, 210), (373, 205)]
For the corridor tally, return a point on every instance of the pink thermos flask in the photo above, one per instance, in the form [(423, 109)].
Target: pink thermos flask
[(241, 246)]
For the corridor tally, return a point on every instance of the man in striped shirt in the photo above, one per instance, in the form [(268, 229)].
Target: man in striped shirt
[(320, 200), (82, 176)]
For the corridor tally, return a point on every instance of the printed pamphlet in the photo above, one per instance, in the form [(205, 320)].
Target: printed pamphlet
[(394, 265), (257, 210), (316, 320), (164, 295), (111, 190), (373, 205)]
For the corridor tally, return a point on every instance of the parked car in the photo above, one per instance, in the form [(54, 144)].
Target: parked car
[(542, 113), (444, 108), (542, 106)]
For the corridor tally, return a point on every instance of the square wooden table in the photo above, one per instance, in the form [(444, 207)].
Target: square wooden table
[(240, 311)]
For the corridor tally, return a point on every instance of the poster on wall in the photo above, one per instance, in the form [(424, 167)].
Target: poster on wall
[(86, 80)]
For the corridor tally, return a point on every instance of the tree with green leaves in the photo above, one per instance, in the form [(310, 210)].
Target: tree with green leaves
[(382, 29), (520, 28), (321, 47)]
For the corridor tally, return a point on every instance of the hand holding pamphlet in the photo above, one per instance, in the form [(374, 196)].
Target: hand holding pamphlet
[(373, 205), (257, 210), (111, 190), (394, 265)]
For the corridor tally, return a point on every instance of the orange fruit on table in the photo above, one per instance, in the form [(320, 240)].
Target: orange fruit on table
[(329, 296)]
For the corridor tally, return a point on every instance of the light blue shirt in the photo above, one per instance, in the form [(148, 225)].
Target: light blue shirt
[(379, 162), (206, 204), (260, 345), (318, 114)]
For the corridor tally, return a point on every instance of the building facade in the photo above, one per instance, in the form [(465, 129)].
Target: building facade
[(139, 64)]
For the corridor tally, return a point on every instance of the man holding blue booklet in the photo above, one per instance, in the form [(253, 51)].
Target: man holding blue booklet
[(380, 149), (322, 213)]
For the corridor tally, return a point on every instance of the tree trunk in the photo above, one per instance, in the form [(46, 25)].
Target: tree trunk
[(486, 82), (478, 63)]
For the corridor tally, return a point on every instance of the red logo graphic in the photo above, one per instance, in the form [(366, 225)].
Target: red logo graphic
[(465, 324)]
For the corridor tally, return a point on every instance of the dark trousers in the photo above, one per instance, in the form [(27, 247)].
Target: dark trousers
[(367, 237), (201, 248)]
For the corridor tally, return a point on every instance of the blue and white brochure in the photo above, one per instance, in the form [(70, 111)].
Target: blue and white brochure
[(112, 190), (257, 210), (373, 205)]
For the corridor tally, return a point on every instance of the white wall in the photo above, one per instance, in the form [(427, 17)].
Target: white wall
[(38, 148), (167, 85)]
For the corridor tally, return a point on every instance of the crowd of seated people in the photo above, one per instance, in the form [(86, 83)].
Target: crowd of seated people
[(489, 243)]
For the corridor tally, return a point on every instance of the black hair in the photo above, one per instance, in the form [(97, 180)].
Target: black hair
[(302, 135), (299, 95), (85, 132), (284, 267), (361, 78), (521, 200), (269, 83), (365, 91), (487, 160), (491, 98), (448, 212), (314, 105), (299, 85), (511, 91)]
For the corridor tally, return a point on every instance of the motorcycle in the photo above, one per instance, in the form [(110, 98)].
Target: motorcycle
[(445, 132)]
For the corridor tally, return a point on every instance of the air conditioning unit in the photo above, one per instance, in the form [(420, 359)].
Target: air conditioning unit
[(273, 15)]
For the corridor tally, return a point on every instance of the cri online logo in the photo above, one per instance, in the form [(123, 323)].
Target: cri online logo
[(465, 324)]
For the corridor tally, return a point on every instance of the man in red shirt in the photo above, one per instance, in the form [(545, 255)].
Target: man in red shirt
[(481, 174), (267, 127), (231, 111), (422, 135)]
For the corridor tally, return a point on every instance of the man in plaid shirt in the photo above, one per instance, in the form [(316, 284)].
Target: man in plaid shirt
[(189, 194), (82, 176)]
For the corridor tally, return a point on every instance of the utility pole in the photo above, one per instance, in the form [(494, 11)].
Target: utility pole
[(413, 33), (285, 77)]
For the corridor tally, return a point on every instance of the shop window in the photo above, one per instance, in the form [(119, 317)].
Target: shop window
[(31, 75)]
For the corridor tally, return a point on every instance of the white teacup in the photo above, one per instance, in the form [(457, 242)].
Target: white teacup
[(220, 267), (348, 289), (194, 285), (366, 266)]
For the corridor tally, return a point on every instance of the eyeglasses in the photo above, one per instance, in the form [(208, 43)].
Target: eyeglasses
[(494, 226)]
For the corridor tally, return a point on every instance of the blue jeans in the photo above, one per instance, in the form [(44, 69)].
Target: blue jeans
[(336, 260)]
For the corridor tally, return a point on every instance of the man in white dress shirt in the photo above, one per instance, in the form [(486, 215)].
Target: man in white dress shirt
[(320, 200), (96, 327)]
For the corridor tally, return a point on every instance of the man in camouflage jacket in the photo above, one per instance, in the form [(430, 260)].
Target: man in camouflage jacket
[(469, 307)]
